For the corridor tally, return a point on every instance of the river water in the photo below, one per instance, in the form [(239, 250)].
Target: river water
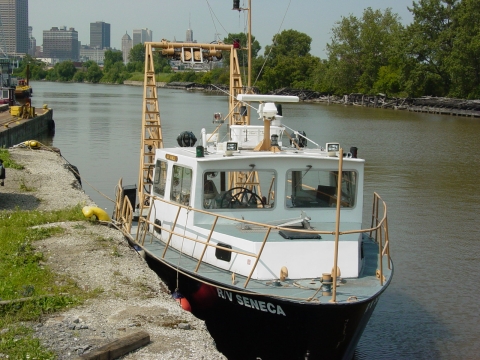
[(425, 166)]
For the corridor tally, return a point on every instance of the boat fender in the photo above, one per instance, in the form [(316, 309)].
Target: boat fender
[(205, 297), (89, 211), (186, 139), (182, 301), (339, 273), (32, 144), (283, 273)]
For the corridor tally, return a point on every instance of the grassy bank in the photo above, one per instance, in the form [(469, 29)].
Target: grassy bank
[(28, 288), (163, 77), (7, 161)]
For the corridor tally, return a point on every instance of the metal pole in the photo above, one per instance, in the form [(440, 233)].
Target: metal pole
[(249, 45), (337, 225)]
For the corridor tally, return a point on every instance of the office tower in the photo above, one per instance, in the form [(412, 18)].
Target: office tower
[(14, 20), (141, 35), (32, 42), (99, 35), (61, 44), (189, 36), (127, 45)]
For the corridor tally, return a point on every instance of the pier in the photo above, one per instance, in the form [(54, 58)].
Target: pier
[(15, 129)]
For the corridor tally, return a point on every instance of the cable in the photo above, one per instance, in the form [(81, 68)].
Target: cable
[(266, 58)]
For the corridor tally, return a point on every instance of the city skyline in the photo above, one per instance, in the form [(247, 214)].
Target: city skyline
[(208, 20)]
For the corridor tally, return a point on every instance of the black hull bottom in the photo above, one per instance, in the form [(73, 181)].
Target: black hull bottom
[(246, 326)]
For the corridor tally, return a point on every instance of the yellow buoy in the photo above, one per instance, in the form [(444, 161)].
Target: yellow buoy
[(32, 143), (89, 211)]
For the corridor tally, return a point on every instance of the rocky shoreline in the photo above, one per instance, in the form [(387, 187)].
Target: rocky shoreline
[(131, 297)]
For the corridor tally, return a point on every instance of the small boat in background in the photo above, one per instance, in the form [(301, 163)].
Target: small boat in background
[(7, 95), (23, 89)]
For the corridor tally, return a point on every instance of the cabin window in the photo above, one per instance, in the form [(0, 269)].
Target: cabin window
[(160, 179), (318, 188), (239, 189), (181, 185)]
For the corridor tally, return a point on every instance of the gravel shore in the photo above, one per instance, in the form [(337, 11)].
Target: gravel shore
[(131, 296)]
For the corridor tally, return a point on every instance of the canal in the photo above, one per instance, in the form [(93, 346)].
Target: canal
[(425, 166)]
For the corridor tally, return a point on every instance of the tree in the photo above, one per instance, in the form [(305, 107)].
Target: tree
[(112, 57), (430, 41), (361, 47), (116, 74), (290, 43), (36, 67), (65, 70), (463, 61), (137, 53), (94, 74), (287, 63)]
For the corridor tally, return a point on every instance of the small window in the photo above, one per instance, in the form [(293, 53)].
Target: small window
[(181, 185), (310, 188), (160, 179)]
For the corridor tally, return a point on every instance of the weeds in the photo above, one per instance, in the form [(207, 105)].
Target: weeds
[(8, 162), (24, 186), (28, 288)]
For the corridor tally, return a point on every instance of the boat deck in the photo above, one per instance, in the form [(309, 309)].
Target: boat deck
[(301, 290)]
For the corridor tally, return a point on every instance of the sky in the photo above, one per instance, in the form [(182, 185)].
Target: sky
[(169, 19)]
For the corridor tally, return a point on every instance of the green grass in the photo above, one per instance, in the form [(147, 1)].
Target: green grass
[(7, 161), (163, 77), (24, 275)]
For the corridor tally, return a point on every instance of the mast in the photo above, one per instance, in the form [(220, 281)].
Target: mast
[(236, 118)]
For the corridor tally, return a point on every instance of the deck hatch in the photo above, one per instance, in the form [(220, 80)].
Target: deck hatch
[(224, 255)]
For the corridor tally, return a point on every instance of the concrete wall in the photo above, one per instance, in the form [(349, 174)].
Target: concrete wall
[(28, 130)]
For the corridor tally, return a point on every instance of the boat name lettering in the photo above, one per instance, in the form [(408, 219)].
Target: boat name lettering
[(171, 157), (251, 303), (371, 305)]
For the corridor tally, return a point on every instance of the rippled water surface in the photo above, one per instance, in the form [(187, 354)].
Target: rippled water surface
[(426, 167)]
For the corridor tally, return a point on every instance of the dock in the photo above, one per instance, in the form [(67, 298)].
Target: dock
[(16, 129)]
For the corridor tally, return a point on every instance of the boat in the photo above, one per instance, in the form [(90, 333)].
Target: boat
[(22, 89), (259, 234), (7, 95)]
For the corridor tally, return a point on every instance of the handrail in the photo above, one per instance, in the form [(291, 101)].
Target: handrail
[(379, 228), (123, 212)]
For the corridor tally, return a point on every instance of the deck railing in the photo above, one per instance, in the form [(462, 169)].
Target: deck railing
[(378, 230), (123, 212)]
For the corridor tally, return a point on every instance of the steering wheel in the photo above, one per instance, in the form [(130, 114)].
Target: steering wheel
[(240, 197)]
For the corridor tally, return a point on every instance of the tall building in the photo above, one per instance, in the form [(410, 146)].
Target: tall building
[(32, 42), (141, 35), (189, 36), (99, 35), (127, 45), (14, 21), (61, 44)]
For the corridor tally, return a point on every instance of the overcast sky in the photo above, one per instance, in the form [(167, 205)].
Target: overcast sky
[(169, 19)]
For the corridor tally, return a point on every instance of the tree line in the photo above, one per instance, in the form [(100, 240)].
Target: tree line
[(436, 55)]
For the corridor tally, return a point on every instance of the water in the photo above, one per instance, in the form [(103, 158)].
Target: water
[(426, 167)]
